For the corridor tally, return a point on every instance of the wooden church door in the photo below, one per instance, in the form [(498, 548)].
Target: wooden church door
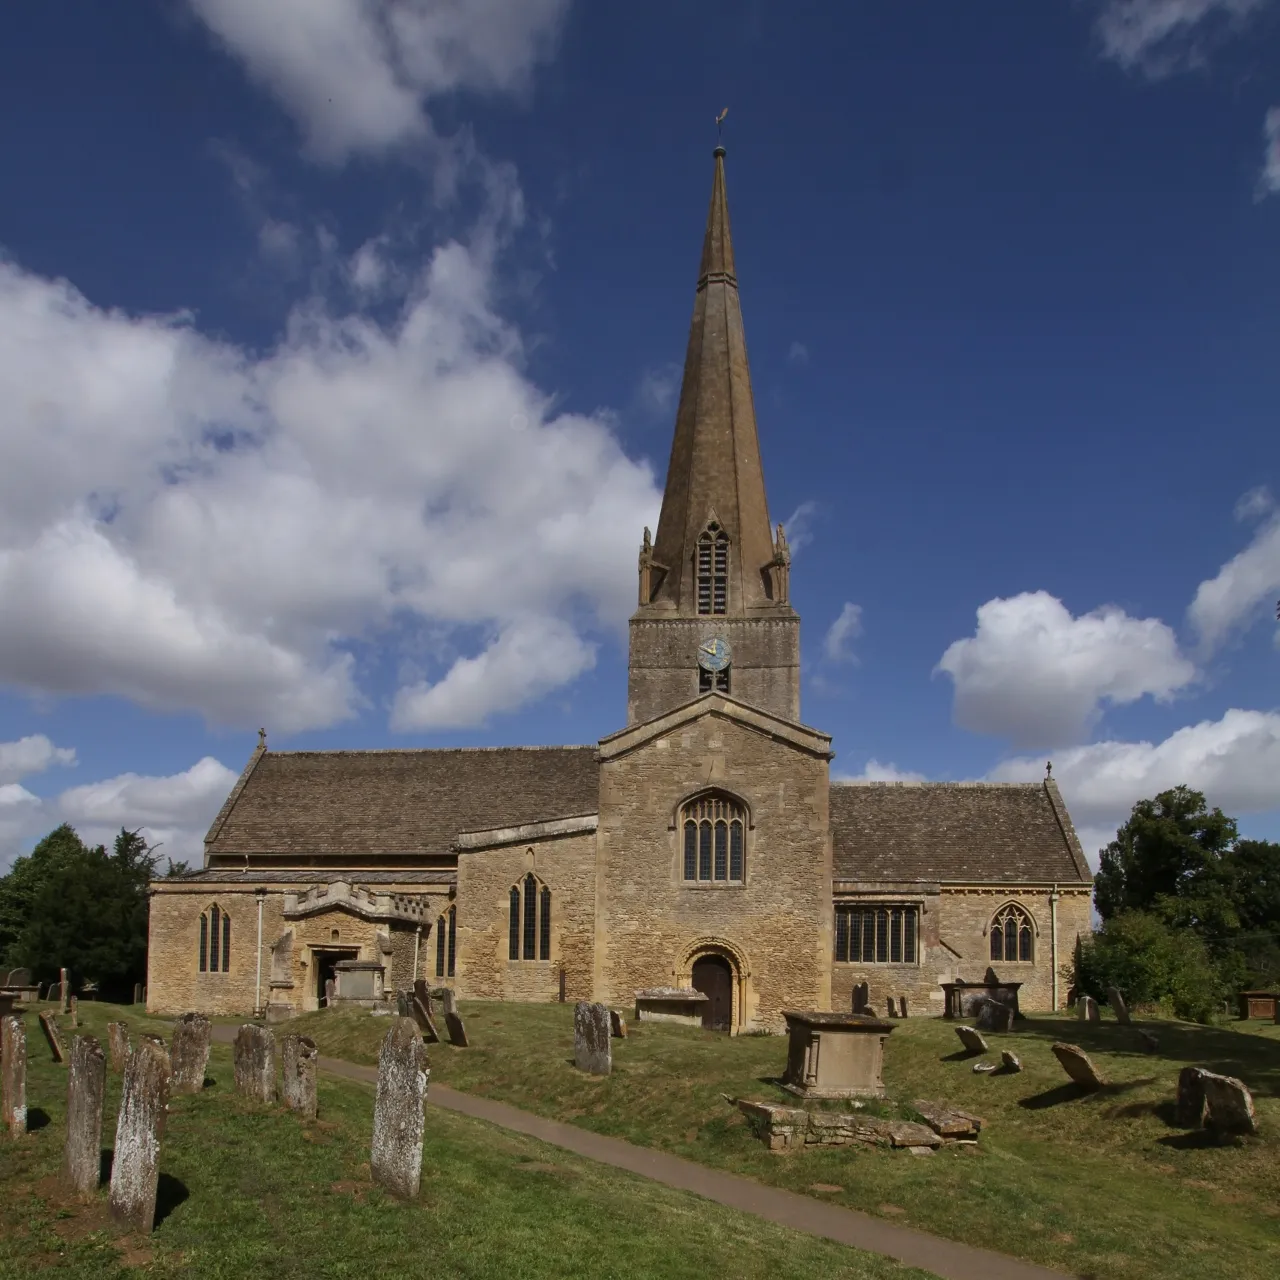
[(714, 978)]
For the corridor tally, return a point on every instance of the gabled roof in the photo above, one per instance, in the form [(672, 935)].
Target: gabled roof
[(954, 832), (307, 803)]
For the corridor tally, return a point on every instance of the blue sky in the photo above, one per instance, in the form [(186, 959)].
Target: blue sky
[(339, 344)]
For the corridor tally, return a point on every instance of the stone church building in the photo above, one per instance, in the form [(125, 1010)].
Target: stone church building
[(703, 845)]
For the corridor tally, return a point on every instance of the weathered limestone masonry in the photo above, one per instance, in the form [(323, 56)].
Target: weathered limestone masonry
[(189, 1052), (255, 1063), (135, 1165), (396, 1158), (86, 1084), (13, 1074)]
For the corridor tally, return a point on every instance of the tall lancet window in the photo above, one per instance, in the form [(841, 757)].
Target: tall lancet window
[(713, 570)]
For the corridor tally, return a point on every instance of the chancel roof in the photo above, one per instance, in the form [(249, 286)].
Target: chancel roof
[(953, 832), (309, 803)]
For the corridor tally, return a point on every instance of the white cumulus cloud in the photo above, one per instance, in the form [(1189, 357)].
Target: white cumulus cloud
[(32, 754), (838, 642), (1159, 37), (1039, 676), (358, 75), (1243, 590), (1269, 178), (874, 771)]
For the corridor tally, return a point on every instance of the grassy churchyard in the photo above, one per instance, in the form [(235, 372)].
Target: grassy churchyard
[(248, 1190)]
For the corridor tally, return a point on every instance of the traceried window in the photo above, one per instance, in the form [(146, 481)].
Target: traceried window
[(529, 921), (1012, 937), (215, 941), (447, 943), (713, 831), (880, 934), (713, 570)]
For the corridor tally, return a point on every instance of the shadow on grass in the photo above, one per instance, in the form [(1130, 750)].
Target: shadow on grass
[(37, 1118), (106, 1158), (209, 1082), (1071, 1091), (961, 1055), (170, 1193)]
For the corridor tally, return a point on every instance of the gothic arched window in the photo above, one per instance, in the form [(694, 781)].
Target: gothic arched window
[(529, 920), (713, 828), (713, 570), (1012, 937), (215, 941), (446, 943)]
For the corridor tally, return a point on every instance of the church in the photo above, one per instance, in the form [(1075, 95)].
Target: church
[(702, 846)]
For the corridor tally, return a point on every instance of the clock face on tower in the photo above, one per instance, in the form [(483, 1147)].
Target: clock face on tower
[(714, 654)]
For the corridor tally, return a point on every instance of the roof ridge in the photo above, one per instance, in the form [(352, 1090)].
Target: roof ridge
[(924, 782), (422, 751)]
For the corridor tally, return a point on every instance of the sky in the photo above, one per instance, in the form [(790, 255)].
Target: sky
[(340, 342)]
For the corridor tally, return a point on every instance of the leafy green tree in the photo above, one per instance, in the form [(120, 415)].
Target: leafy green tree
[(18, 889)]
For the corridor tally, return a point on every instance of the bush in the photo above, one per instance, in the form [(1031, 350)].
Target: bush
[(1150, 962)]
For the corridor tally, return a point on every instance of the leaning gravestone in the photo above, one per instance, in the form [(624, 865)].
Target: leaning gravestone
[(422, 1016), (1010, 1061), (994, 1016), (73, 1008), (617, 1025), (298, 1063), (971, 1040), (1075, 1062), (1230, 1104), (49, 1026), (591, 1049), (457, 1032), (64, 991), (448, 1000), (118, 1044), (861, 997), (13, 1074), (1189, 1108), (1087, 1009), (1118, 1006), (396, 1160), (86, 1084), (189, 1052), (902, 1006), (255, 1063), (135, 1164)]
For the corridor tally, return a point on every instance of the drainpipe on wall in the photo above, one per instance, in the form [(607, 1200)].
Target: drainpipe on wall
[(1053, 934), (261, 895), (417, 942)]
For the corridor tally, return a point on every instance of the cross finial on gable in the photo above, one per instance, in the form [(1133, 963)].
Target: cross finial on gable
[(1048, 770), (262, 739)]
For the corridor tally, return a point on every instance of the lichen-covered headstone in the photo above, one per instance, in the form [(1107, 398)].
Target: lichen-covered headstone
[(1087, 1009), (971, 1039), (13, 1074), (1230, 1104), (73, 1008), (189, 1052), (49, 1026), (457, 1032), (1189, 1106), (86, 1085), (118, 1044), (135, 1164), (64, 991), (994, 1016), (298, 1074), (255, 1062), (1075, 1062), (1118, 1006), (396, 1160), (617, 1025), (591, 1048)]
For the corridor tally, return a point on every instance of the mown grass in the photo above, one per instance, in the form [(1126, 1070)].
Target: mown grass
[(248, 1191), (1099, 1185)]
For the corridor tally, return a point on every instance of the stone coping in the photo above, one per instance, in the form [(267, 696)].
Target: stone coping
[(975, 985), (673, 995), (355, 966), (837, 1021)]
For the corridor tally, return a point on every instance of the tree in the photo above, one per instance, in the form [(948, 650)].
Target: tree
[(18, 889)]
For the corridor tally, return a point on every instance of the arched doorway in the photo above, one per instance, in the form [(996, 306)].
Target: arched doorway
[(713, 976)]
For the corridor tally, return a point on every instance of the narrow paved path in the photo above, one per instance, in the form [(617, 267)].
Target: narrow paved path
[(947, 1258)]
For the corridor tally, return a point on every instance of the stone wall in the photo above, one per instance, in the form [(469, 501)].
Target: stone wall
[(775, 928), (485, 971)]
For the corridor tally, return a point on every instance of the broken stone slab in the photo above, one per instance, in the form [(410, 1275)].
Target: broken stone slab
[(983, 1068), (617, 1025), (49, 1025), (425, 1023), (298, 1056), (255, 1062), (994, 1016), (396, 1160), (946, 1121), (1010, 1061), (118, 1044), (189, 1052), (135, 1164), (1189, 1106), (592, 1052), (457, 1030), (1087, 1009), (1118, 1006), (13, 1074), (86, 1085), (779, 1127), (971, 1039), (1230, 1104), (1075, 1062), (907, 1133)]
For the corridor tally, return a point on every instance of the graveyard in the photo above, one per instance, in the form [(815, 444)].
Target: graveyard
[(1067, 1177)]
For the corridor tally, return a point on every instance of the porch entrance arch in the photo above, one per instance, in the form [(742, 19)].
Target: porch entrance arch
[(713, 976)]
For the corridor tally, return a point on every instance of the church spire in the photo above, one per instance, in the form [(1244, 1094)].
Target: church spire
[(714, 477)]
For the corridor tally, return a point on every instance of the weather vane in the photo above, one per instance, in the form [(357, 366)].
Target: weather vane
[(720, 125)]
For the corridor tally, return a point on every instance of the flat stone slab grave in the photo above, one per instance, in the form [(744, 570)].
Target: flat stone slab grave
[(671, 1004), (835, 1055), (592, 1051)]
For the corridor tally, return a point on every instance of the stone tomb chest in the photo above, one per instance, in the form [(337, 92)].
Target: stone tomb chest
[(835, 1055), (671, 1004), (965, 999), (359, 981), (1258, 1004)]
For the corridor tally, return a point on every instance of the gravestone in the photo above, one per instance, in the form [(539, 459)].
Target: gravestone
[(1189, 1106), (135, 1164), (86, 1085), (189, 1052), (18, 978), (994, 1016), (426, 1023), (13, 1074), (1075, 1062), (404, 1008), (893, 1007), (448, 1000), (255, 1062), (902, 1006), (396, 1160), (617, 1025), (137, 993), (49, 1025), (330, 992), (861, 997), (591, 1049), (73, 1008), (1148, 1042), (1118, 1006), (457, 1032), (298, 1056), (118, 1044), (64, 991), (1087, 1009), (971, 1040), (1012, 1063), (1230, 1104)]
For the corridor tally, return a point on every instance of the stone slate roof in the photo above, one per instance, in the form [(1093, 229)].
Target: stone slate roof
[(304, 803), (949, 832), (229, 875)]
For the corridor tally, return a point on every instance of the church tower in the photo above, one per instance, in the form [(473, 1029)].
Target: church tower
[(713, 610)]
